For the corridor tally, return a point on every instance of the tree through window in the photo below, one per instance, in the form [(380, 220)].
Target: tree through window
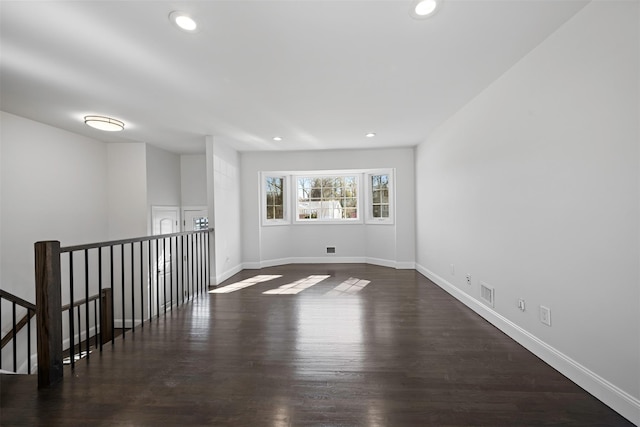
[(380, 196), (327, 198), (275, 197)]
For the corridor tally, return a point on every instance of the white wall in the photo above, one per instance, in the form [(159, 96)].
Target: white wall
[(224, 170), (193, 179), (389, 244), (533, 188), (127, 197), (127, 211), (42, 198), (163, 179), (54, 187)]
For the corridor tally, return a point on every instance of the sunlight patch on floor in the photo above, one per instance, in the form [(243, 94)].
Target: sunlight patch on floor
[(245, 283), (350, 286), (297, 286)]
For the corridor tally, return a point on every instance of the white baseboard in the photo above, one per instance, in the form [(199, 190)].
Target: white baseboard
[(381, 262), (406, 265), (251, 265), (302, 260), (327, 260), (24, 367), (622, 402), (230, 272), (66, 343)]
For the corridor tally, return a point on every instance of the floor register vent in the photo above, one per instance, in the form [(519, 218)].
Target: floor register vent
[(487, 294)]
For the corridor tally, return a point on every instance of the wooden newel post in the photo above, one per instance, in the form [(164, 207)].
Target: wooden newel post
[(106, 319), (48, 312)]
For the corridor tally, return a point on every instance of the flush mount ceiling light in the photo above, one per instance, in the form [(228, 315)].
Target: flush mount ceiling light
[(425, 8), (370, 135), (183, 21), (104, 123), (277, 138)]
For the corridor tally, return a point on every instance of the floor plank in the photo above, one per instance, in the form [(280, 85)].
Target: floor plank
[(398, 352)]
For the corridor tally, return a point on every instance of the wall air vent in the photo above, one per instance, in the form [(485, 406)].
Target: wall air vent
[(487, 294), (331, 250)]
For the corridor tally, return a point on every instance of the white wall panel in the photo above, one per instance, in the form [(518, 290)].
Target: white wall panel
[(533, 188)]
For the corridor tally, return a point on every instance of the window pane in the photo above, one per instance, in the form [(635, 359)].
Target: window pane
[(380, 196), (350, 213), (201, 223), (302, 194), (327, 193), (304, 188), (274, 197), (376, 197), (351, 203), (327, 197)]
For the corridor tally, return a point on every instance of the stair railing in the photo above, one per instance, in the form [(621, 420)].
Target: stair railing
[(27, 311), (116, 285)]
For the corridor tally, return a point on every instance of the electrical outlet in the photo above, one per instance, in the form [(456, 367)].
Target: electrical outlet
[(469, 279), (453, 270), (521, 305), (545, 315)]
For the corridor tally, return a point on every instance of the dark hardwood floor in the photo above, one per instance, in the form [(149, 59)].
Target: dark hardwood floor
[(396, 352)]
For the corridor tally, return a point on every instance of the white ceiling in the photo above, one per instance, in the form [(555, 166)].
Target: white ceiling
[(319, 73)]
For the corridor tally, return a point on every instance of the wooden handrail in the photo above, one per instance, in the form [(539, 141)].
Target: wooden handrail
[(31, 311), (126, 241), (12, 298), (80, 302), (21, 324)]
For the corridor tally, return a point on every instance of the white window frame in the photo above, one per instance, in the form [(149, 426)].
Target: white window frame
[(369, 218), (328, 174), (364, 196), (286, 176)]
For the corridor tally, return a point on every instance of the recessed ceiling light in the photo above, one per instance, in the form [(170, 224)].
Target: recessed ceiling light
[(104, 123), (425, 8), (277, 138), (183, 21), (370, 135)]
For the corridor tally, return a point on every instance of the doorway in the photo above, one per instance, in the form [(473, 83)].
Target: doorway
[(195, 218), (165, 220)]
